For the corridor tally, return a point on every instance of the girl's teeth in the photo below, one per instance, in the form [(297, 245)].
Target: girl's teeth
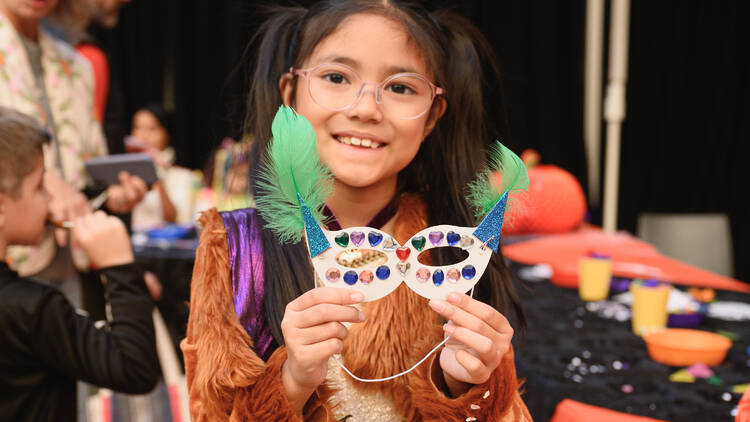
[(367, 143)]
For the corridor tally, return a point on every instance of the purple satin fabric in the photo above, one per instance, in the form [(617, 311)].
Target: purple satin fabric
[(246, 263)]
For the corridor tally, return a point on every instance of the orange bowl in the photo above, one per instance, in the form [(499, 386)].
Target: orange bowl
[(685, 347)]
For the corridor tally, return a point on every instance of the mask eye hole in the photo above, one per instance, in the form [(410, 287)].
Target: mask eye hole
[(442, 255), (359, 258)]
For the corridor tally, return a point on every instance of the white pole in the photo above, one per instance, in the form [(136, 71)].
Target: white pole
[(592, 95), (614, 106)]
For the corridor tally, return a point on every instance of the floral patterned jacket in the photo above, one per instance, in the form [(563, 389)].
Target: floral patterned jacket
[(69, 84)]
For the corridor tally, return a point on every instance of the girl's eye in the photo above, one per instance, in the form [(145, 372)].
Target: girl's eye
[(335, 78), (398, 88)]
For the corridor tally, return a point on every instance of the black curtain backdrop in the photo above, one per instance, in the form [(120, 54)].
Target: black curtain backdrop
[(687, 111)]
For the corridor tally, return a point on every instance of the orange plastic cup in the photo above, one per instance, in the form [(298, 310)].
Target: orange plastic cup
[(594, 276), (649, 307)]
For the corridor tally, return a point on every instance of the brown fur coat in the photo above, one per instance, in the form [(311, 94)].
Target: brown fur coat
[(227, 381)]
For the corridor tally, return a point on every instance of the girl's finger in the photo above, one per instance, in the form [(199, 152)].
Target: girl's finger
[(326, 295), (473, 365), (321, 351), (488, 351), (313, 335), (327, 312), (462, 318), (481, 310)]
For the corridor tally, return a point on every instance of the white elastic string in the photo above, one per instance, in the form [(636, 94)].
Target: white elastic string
[(421, 361)]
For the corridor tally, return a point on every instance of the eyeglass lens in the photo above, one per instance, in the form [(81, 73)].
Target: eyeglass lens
[(337, 87)]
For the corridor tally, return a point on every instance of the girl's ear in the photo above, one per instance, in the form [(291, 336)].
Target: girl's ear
[(436, 112), (286, 88)]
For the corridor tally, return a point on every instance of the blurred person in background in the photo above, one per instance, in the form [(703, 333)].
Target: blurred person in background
[(71, 21), (46, 79), (226, 178), (171, 199)]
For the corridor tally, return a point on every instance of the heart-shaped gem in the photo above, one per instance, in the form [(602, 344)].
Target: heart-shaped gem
[(374, 238), (403, 253), (436, 238), (423, 274), (403, 267), (453, 275), (467, 242), (389, 244), (342, 239), (418, 242), (357, 238), (452, 238)]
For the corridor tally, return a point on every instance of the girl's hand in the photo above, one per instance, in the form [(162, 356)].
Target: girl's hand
[(125, 196), (480, 337), (313, 332)]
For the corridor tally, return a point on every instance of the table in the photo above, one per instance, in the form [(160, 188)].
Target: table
[(569, 352)]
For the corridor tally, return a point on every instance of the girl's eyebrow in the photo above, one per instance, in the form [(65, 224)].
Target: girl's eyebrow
[(354, 64)]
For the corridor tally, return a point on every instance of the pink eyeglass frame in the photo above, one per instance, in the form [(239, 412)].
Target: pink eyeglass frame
[(435, 90)]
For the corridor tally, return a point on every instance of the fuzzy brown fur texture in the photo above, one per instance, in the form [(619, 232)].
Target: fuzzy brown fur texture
[(228, 382)]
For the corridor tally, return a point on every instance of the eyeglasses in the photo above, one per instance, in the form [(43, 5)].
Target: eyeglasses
[(338, 87)]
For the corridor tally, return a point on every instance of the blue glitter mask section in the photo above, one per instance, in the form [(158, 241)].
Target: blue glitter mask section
[(492, 224), (316, 240)]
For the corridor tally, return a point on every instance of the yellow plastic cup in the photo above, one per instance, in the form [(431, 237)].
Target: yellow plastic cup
[(594, 276), (649, 307)]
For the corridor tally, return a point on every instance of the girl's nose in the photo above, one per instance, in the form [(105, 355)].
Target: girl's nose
[(367, 107)]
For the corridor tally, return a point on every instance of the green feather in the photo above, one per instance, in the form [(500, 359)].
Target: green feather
[(486, 190), (291, 166)]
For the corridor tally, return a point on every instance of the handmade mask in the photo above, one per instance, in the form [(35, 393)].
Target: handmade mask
[(296, 185)]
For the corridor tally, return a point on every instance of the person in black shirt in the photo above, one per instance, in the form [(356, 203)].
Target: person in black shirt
[(46, 344)]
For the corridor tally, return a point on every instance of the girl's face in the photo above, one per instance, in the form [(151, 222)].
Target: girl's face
[(147, 128), (375, 47)]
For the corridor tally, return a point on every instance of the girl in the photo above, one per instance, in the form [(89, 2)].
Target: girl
[(259, 335), (171, 199)]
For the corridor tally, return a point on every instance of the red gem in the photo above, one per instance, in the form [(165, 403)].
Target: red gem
[(403, 253)]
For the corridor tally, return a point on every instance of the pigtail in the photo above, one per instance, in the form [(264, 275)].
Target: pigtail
[(472, 91), (272, 41), (287, 268)]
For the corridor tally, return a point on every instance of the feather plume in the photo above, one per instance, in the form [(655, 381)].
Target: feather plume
[(291, 166), (486, 190)]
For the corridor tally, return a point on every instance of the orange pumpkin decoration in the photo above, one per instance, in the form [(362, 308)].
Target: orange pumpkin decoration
[(555, 202)]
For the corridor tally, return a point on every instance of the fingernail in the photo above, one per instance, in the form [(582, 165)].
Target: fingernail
[(454, 297), (357, 297), (362, 316), (438, 305), (449, 328)]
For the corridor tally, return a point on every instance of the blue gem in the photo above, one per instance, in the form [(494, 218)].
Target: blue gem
[(468, 272), (452, 238), (350, 277), (374, 238), (383, 272), (438, 277)]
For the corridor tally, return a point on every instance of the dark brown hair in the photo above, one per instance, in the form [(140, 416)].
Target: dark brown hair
[(459, 59), (21, 139)]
